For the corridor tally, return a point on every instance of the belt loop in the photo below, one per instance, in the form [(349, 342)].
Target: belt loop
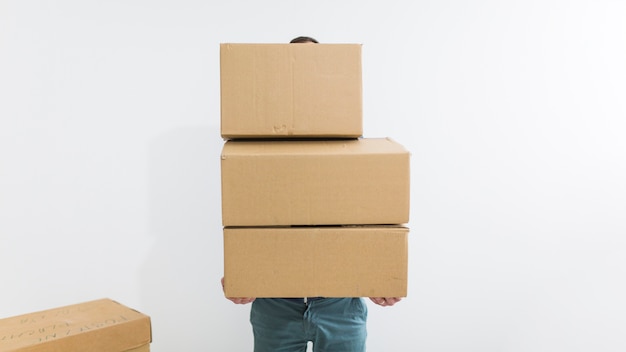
[(305, 301)]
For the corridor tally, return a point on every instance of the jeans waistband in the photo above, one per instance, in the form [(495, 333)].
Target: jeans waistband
[(304, 300)]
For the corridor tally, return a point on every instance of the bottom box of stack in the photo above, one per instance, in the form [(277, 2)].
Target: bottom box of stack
[(96, 326), (144, 348), (327, 261)]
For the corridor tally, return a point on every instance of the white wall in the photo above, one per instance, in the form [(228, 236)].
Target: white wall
[(513, 111)]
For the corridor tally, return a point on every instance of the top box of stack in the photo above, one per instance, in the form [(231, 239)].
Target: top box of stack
[(291, 91)]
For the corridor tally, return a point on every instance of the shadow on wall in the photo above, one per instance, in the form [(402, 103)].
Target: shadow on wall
[(180, 277)]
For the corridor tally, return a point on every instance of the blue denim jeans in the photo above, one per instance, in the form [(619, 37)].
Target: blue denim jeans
[(287, 324)]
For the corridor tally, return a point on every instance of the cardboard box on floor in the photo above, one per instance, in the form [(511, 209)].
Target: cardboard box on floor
[(327, 261), (291, 90), (332, 182), (96, 326)]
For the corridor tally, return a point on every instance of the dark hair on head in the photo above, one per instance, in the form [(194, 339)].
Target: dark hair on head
[(303, 40)]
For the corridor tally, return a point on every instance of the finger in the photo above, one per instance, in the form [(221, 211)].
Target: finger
[(385, 301), (378, 300), (390, 301), (241, 300)]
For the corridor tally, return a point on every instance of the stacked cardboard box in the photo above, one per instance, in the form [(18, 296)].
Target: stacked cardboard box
[(96, 326), (309, 207)]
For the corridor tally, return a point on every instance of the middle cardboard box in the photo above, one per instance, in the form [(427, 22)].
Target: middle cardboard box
[(322, 182)]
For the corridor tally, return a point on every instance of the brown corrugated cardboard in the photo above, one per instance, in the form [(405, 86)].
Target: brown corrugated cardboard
[(332, 182), (291, 90), (96, 326), (360, 261), (144, 348)]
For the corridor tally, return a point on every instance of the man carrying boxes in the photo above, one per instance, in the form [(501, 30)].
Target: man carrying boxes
[(310, 209)]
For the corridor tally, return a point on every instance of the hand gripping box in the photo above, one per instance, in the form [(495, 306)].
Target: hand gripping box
[(96, 326), (291, 90), (326, 261), (331, 182)]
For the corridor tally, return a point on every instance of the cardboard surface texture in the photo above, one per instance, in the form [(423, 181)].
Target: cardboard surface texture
[(144, 348), (333, 182), (291, 90), (360, 261), (96, 326)]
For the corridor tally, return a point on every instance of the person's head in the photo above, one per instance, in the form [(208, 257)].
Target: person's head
[(303, 40)]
